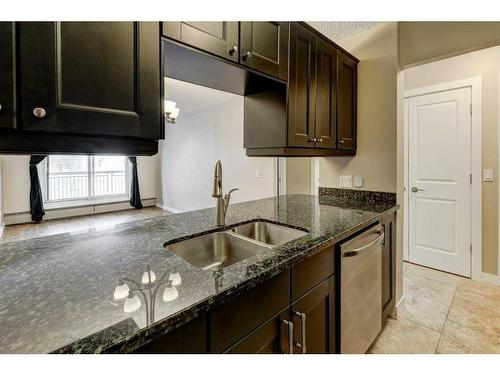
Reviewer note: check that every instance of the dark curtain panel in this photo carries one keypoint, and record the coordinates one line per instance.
(135, 196)
(36, 199)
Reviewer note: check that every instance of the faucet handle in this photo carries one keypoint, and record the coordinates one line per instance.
(228, 195)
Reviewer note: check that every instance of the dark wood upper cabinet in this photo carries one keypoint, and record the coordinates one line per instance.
(7, 53)
(347, 101)
(314, 320)
(301, 87)
(264, 47)
(91, 78)
(320, 102)
(325, 119)
(218, 38)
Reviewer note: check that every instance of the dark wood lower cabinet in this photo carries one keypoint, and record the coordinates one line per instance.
(313, 318)
(190, 338)
(293, 312)
(270, 338)
(388, 264)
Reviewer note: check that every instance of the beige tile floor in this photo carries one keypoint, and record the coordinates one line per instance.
(49, 227)
(442, 313)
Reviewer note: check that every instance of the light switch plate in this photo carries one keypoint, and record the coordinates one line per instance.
(345, 181)
(488, 175)
(358, 181)
(258, 173)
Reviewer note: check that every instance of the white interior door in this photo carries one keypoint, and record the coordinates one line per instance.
(439, 180)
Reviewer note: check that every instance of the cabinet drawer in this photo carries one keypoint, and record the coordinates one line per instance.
(309, 273)
(233, 320)
(190, 338)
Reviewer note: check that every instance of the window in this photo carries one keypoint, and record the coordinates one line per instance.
(74, 177)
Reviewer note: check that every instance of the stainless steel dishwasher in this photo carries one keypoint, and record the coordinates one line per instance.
(361, 290)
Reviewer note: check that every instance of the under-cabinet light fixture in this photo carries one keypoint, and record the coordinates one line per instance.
(171, 111)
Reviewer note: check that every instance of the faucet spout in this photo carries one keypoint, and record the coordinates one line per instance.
(222, 200)
(217, 191)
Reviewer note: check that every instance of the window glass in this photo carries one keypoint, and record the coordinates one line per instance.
(109, 175)
(71, 177)
(68, 177)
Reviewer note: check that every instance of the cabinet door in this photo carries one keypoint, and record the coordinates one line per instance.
(313, 319)
(235, 319)
(326, 95)
(270, 338)
(347, 97)
(93, 78)
(219, 38)
(301, 87)
(7, 117)
(264, 47)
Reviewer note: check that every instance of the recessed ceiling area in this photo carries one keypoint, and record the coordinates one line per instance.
(337, 30)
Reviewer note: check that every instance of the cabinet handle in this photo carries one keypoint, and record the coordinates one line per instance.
(290, 335)
(39, 112)
(0, 107)
(247, 56)
(320, 140)
(341, 142)
(302, 344)
(233, 51)
(311, 140)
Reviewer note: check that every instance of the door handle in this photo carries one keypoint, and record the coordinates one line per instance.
(416, 189)
(359, 250)
(302, 344)
(290, 335)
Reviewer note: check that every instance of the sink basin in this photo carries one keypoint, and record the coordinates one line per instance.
(268, 233)
(215, 250)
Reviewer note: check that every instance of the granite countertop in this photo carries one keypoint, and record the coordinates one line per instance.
(56, 292)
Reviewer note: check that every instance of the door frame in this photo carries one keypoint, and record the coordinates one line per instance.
(475, 83)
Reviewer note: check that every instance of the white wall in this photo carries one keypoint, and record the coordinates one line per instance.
(209, 127)
(15, 184)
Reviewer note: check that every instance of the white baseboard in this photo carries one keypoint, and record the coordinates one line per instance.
(490, 278)
(59, 213)
(397, 306)
(167, 208)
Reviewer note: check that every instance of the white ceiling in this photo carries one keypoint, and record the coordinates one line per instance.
(191, 98)
(337, 30)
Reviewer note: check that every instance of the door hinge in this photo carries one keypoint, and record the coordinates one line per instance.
(471, 108)
(470, 178)
(470, 247)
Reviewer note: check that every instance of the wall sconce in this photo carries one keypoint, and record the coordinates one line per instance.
(171, 111)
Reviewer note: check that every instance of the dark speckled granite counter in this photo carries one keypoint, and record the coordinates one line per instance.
(56, 292)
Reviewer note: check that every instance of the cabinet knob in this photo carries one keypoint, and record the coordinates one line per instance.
(320, 140)
(311, 140)
(0, 107)
(233, 51)
(341, 142)
(39, 112)
(247, 56)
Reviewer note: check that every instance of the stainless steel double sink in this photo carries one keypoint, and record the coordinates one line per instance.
(217, 250)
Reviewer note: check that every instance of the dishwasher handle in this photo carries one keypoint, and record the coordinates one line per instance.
(359, 250)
